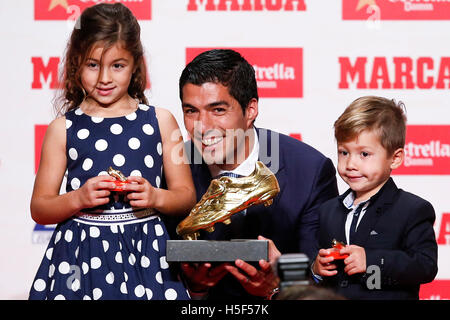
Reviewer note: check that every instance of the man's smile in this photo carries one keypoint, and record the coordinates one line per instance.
(210, 141)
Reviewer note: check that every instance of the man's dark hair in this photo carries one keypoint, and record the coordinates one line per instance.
(226, 67)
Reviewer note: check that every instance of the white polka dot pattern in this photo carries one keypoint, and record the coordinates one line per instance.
(101, 145)
(116, 129)
(109, 260)
(131, 116)
(83, 134)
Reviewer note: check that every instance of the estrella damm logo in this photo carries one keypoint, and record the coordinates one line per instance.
(396, 9)
(427, 151)
(71, 9)
(278, 71)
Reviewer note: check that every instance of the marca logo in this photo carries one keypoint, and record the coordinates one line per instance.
(444, 232)
(278, 71)
(39, 133)
(296, 135)
(435, 290)
(396, 9)
(427, 151)
(246, 5)
(47, 72)
(41, 234)
(395, 73)
(71, 9)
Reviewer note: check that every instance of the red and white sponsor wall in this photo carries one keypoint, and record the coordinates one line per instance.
(311, 57)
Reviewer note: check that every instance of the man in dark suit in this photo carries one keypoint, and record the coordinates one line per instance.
(220, 104)
(391, 242)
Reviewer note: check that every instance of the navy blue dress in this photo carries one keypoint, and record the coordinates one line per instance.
(112, 251)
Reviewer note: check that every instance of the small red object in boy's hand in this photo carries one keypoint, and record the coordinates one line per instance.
(337, 246)
(336, 255)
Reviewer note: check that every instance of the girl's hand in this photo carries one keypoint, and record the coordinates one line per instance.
(140, 192)
(95, 192)
(356, 261)
(322, 264)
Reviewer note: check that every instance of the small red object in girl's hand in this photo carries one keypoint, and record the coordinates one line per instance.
(121, 179)
(119, 185)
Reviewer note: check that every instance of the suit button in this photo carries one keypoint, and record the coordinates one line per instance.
(344, 284)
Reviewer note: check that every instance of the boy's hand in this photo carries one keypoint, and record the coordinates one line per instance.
(356, 261)
(322, 264)
(140, 192)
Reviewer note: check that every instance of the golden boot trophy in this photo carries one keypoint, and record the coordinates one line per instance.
(225, 197)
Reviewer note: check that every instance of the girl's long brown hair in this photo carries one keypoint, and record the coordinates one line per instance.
(105, 24)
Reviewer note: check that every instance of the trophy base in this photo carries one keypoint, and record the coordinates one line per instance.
(216, 251)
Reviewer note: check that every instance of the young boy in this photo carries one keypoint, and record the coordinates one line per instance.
(391, 247)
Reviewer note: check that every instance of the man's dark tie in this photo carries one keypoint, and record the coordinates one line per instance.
(229, 174)
(356, 214)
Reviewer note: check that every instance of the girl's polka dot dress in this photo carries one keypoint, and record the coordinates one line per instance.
(112, 251)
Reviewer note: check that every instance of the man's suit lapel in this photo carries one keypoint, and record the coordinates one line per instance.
(379, 203)
(199, 170)
(272, 157)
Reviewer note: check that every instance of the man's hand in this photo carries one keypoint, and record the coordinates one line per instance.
(201, 277)
(258, 282)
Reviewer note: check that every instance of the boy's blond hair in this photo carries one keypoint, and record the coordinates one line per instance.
(384, 116)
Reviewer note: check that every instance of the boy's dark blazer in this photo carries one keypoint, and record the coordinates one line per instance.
(306, 179)
(398, 237)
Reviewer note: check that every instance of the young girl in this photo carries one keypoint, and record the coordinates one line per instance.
(108, 244)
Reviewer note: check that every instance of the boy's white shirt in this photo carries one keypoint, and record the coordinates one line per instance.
(349, 203)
